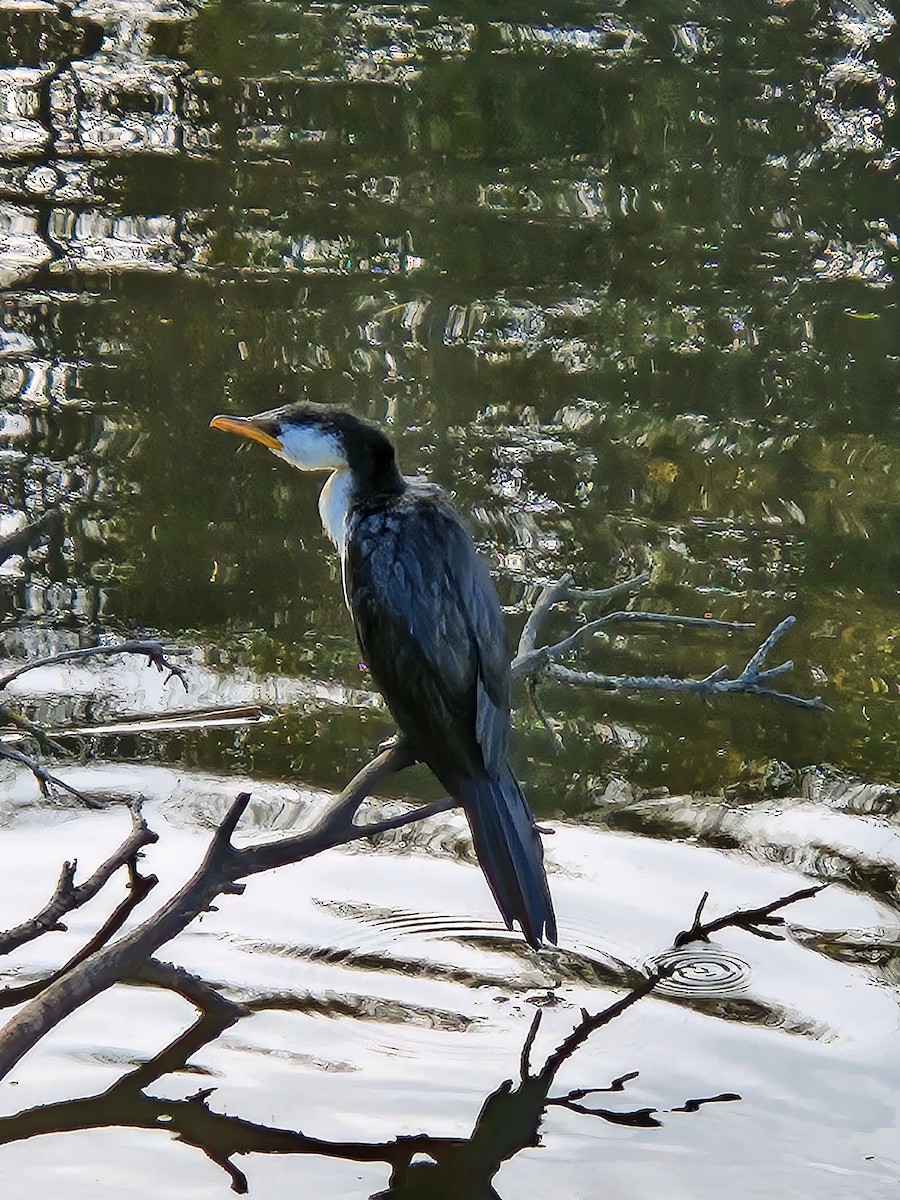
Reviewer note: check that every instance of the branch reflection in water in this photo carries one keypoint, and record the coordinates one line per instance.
(509, 1120)
(421, 1166)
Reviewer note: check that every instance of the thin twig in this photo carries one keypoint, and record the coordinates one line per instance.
(156, 652)
(757, 660)
(534, 660)
(46, 781)
(711, 685)
(752, 920)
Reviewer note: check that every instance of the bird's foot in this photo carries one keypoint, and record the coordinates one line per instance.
(394, 742)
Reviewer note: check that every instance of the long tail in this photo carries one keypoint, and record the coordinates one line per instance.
(509, 850)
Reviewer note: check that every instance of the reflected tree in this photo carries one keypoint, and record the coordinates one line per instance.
(421, 1166)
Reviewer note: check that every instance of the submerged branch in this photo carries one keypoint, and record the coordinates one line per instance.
(46, 781)
(24, 539)
(536, 663)
(753, 920)
(748, 919)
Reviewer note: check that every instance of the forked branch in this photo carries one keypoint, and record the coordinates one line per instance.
(536, 663)
(223, 866)
(68, 896)
(758, 921)
(158, 654)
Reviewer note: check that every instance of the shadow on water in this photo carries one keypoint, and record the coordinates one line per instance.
(420, 1165)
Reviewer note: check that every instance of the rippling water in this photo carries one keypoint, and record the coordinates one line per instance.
(624, 282)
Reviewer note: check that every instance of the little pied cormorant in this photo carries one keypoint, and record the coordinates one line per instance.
(430, 629)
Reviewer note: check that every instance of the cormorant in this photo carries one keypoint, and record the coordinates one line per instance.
(430, 629)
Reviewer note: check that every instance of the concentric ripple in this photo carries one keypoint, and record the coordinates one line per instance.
(700, 973)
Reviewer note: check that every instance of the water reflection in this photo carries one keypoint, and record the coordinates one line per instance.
(625, 284)
(508, 1122)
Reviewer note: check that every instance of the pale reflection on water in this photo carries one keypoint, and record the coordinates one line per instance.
(366, 1021)
(623, 282)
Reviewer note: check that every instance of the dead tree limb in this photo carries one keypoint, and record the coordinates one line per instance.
(67, 895)
(157, 653)
(45, 779)
(221, 870)
(536, 663)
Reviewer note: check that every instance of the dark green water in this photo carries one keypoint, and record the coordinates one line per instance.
(624, 283)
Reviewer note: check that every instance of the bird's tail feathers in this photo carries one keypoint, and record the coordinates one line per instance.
(509, 850)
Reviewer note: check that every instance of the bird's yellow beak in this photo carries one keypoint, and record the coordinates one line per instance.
(246, 427)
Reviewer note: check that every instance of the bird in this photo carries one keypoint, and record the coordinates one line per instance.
(430, 629)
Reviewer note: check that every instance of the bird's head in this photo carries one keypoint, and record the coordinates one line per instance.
(316, 437)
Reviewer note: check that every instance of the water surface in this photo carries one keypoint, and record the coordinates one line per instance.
(624, 283)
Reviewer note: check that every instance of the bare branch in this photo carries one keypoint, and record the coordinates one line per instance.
(551, 595)
(336, 827)
(757, 660)
(157, 655)
(625, 588)
(46, 781)
(204, 997)
(713, 684)
(559, 593)
(534, 660)
(138, 888)
(639, 1118)
(753, 920)
(67, 896)
(221, 867)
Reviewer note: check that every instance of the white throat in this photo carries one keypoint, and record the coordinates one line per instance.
(334, 504)
(311, 449)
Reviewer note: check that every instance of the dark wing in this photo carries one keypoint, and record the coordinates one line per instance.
(431, 631)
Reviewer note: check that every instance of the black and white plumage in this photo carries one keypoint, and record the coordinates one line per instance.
(430, 629)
